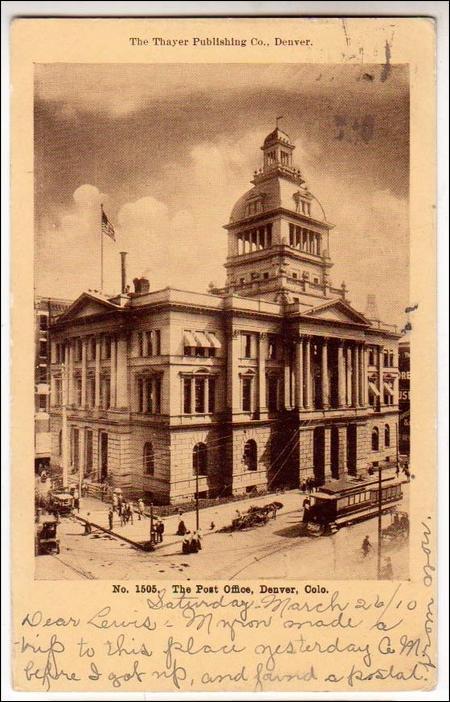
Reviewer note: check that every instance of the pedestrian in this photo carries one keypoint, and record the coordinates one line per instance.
(87, 526)
(76, 499)
(366, 546)
(198, 537)
(181, 531)
(212, 526)
(110, 518)
(120, 505)
(130, 512)
(115, 503)
(303, 486)
(306, 511)
(238, 514)
(387, 572)
(161, 531)
(185, 548)
(397, 469)
(83, 488)
(123, 517)
(193, 544)
(141, 508)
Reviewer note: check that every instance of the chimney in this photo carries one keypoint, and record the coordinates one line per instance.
(137, 286)
(144, 285)
(123, 268)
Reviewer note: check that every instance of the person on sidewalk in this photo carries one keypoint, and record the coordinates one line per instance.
(141, 508)
(130, 512)
(76, 500)
(160, 531)
(366, 546)
(193, 544)
(87, 526)
(387, 572)
(110, 518)
(182, 531)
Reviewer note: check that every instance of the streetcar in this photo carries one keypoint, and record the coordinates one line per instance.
(345, 502)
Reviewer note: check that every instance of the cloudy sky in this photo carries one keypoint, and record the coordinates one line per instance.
(168, 149)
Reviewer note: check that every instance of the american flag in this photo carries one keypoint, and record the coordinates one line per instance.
(107, 227)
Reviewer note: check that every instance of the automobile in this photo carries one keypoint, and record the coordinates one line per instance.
(60, 502)
(46, 540)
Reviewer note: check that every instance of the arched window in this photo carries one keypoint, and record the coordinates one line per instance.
(149, 459)
(60, 442)
(200, 459)
(251, 455)
(375, 439)
(387, 435)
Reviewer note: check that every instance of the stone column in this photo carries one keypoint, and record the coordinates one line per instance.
(341, 375)
(122, 373)
(365, 377)
(82, 449)
(98, 357)
(205, 394)
(287, 375)
(325, 377)
(113, 372)
(262, 355)
(354, 376)
(144, 381)
(380, 374)
(299, 374)
(83, 372)
(233, 380)
(69, 373)
(349, 375)
(307, 368)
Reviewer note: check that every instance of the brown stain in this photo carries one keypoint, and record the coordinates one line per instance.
(387, 65)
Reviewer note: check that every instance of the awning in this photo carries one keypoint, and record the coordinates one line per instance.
(189, 339)
(214, 341)
(202, 340)
(374, 389)
(388, 389)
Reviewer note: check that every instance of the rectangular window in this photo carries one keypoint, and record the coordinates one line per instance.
(58, 391)
(265, 276)
(291, 235)
(211, 395)
(43, 322)
(211, 352)
(42, 374)
(150, 349)
(107, 347)
(43, 403)
(92, 349)
(187, 396)
(246, 394)
(385, 359)
(78, 391)
(187, 351)
(43, 349)
(272, 347)
(157, 396)
(106, 394)
(269, 235)
(88, 451)
(295, 275)
(90, 395)
(150, 398)
(200, 395)
(272, 402)
(247, 339)
(140, 394)
(140, 343)
(157, 343)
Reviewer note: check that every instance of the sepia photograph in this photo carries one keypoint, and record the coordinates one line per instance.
(222, 321)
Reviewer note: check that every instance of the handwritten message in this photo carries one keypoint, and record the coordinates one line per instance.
(187, 640)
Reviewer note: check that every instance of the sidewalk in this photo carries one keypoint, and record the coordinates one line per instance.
(222, 515)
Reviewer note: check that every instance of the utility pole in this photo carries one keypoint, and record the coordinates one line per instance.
(64, 446)
(379, 523)
(152, 538)
(197, 515)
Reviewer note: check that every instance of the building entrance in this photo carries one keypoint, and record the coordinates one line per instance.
(334, 452)
(103, 455)
(351, 449)
(319, 455)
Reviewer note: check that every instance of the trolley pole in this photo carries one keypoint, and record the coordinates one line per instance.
(379, 524)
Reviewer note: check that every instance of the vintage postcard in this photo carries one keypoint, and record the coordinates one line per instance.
(223, 380)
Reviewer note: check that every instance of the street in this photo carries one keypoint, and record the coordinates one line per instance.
(273, 551)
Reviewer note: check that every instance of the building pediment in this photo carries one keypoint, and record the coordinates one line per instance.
(338, 311)
(87, 305)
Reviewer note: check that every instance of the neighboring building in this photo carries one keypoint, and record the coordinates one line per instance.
(267, 381)
(46, 309)
(403, 395)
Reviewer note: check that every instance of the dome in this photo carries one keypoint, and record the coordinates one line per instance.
(273, 194)
(276, 135)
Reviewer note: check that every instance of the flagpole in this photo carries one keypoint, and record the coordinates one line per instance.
(101, 248)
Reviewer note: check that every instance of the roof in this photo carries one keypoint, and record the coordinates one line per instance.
(276, 135)
(275, 192)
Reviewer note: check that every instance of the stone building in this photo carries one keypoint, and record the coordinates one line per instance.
(271, 379)
(46, 310)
